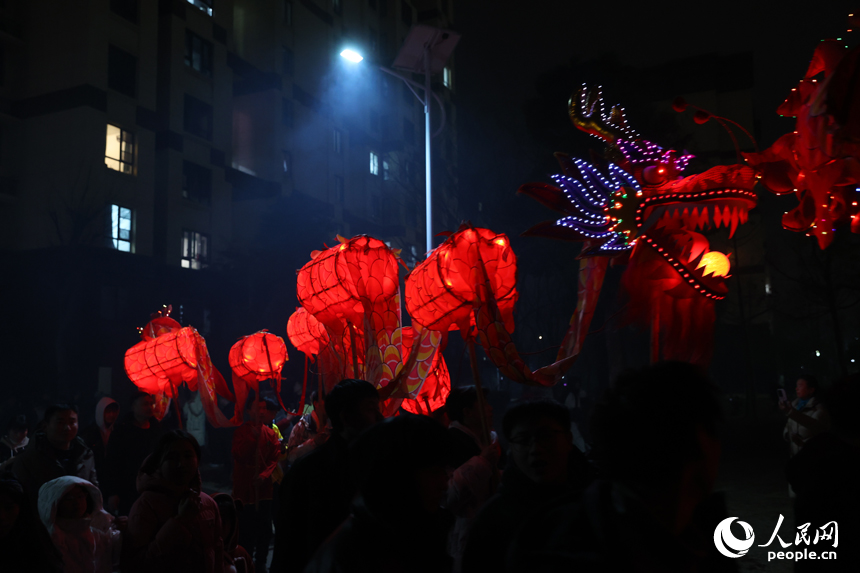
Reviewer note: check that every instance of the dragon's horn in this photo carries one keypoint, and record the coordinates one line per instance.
(587, 113)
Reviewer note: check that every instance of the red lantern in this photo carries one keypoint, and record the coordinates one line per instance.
(437, 385)
(341, 285)
(170, 355)
(443, 291)
(306, 333)
(260, 356)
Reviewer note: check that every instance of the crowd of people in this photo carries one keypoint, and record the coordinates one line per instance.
(345, 490)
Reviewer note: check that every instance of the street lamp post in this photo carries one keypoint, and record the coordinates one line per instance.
(426, 50)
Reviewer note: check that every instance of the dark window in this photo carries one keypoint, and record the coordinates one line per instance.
(288, 13)
(288, 61)
(407, 94)
(338, 189)
(203, 5)
(405, 13)
(122, 71)
(125, 8)
(408, 132)
(196, 182)
(195, 250)
(287, 113)
(374, 121)
(198, 117)
(198, 54)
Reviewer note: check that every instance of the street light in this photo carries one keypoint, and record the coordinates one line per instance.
(426, 50)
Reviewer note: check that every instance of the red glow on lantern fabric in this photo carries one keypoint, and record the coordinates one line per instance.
(340, 284)
(254, 358)
(437, 384)
(306, 333)
(443, 291)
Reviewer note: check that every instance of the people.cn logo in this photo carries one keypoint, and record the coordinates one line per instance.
(727, 543)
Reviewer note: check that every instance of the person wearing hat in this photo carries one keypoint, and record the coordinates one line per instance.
(475, 455)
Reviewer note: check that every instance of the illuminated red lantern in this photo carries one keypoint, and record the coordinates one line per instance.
(170, 355)
(437, 384)
(306, 333)
(254, 358)
(342, 284)
(443, 291)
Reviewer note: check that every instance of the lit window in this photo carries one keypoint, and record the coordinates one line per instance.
(119, 149)
(203, 5)
(374, 164)
(121, 228)
(336, 141)
(198, 54)
(386, 172)
(195, 250)
(446, 77)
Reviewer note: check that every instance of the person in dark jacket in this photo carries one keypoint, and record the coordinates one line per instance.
(97, 435)
(316, 492)
(24, 544)
(15, 439)
(543, 465)
(56, 452)
(173, 527)
(652, 510)
(397, 523)
(131, 441)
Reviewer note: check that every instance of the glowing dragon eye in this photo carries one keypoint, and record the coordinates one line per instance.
(655, 174)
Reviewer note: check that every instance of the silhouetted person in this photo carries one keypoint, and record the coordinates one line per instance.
(397, 524)
(83, 532)
(256, 451)
(56, 452)
(807, 416)
(543, 464)
(825, 475)
(14, 438)
(97, 435)
(475, 462)
(309, 432)
(655, 440)
(131, 441)
(173, 527)
(24, 544)
(236, 559)
(316, 492)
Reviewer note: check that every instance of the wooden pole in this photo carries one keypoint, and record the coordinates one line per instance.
(178, 412)
(355, 373)
(476, 374)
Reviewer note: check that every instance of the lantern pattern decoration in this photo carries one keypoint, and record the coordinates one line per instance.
(633, 206)
(819, 162)
(433, 393)
(170, 355)
(469, 283)
(352, 291)
(253, 359)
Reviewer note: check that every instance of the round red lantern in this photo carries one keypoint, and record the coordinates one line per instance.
(437, 384)
(306, 333)
(254, 358)
(443, 291)
(339, 285)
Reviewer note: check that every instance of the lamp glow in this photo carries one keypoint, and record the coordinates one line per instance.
(351, 56)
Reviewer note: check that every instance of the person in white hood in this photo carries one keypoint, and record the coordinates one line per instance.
(97, 435)
(85, 534)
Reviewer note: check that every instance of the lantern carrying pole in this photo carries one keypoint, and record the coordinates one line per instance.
(178, 412)
(355, 373)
